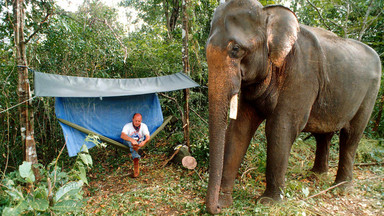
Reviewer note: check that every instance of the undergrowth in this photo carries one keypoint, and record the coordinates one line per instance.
(173, 190)
(40, 190)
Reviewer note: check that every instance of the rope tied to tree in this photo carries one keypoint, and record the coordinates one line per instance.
(31, 70)
(17, 104)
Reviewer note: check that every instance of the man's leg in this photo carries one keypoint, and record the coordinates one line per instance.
(135, 157)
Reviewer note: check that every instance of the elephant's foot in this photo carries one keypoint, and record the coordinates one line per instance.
(269, 198)
(343, 184)
(225, 200)
(344, 180)
(319, 170)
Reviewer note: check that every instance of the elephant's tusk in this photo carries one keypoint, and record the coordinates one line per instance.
(233, 107)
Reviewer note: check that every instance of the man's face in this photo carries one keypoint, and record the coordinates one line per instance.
(137, 120)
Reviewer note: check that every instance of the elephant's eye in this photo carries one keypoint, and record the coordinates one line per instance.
(236, 51)
(236, 48)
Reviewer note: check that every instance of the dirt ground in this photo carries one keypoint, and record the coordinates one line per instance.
(112, 187)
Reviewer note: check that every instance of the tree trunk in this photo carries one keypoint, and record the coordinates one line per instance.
(379, 114)
(186, 71)
(24, 93)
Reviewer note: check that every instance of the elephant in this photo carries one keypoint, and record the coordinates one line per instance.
(264, 65)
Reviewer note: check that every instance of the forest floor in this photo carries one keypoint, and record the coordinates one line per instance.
(173, 190)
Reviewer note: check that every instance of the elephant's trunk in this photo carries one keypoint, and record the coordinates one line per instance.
(224, 82)
(217, 125)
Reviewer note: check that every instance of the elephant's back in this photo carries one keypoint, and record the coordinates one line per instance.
(344, 55)
(353, 72)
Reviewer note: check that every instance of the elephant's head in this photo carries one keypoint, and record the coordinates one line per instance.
(245, 39)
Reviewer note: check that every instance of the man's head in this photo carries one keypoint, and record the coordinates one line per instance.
(136, 119)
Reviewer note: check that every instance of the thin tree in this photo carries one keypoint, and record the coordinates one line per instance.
(24, 92)
(186, 69)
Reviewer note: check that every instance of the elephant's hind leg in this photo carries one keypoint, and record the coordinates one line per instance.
(238, 137)
(350, 137)
(349, 140)
(323, 142)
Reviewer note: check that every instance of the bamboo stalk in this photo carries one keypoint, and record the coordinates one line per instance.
(103, 138)
(167, 120)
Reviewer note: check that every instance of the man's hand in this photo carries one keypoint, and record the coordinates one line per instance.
(136, 146)
(134, 142)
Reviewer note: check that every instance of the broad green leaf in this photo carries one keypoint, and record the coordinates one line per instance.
(17, 210)
(10, 183)
(67, 188)
(84, 148)
(86, 158)
(83, 174)
(68, 206)
(15, 194)
(26, 172)
(7, 211)
(39, 204)
(41, 192)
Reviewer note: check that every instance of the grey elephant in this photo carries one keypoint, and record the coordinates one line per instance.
(264, 65)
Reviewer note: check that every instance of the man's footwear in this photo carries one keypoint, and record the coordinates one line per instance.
(136, 168)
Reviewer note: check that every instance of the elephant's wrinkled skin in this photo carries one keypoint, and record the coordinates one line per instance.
(297, 78)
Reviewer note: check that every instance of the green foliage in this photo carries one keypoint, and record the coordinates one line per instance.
(370, 151)
(56, 191)
(27, 196)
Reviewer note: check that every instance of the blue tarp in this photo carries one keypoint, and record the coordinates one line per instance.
(105, 116)
(106, 105)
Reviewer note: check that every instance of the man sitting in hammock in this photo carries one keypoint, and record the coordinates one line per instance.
(135, 134)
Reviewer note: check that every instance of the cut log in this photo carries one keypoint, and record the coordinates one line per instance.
(182, 156)
(189, 162)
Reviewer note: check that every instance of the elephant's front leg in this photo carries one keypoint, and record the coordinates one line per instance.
(281, 133)
(238, 136)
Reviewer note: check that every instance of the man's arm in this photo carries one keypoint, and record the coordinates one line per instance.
(147, 137)
(126, 137)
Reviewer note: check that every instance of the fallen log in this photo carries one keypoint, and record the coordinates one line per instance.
(181, 156)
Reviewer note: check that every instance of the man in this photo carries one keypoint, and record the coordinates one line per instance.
(136, 135)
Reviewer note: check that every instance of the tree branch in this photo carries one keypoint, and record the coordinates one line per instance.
(367, 23)
(321, 17)
(177, 104)
(324, 191)
(364, 27)
(38, 28)
(345, 26)
(199, 116)
(116, 36)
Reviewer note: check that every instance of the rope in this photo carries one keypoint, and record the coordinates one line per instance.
(17, 105)
(29, 69)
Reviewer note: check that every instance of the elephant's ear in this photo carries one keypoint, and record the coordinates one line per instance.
(282, 29)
